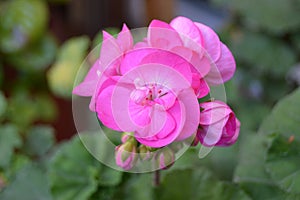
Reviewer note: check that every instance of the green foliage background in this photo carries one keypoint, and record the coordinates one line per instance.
(265, 163)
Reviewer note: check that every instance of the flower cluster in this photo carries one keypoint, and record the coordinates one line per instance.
(152, 88)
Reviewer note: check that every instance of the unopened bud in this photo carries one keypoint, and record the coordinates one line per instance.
(165, 158)
(126, 155)
(144, 153)
(126, 136)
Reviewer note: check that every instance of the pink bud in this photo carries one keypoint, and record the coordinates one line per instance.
(165, 158)
(144, 153)
(126, 155)
(125, 137)
(218, 124)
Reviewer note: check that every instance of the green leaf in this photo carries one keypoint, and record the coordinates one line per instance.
(73, 172)
(37, 57)
(109, 177)
(1, 73)
(265, 55)
(296, 41)
(9, 140)
(275, 16)
(21, 109)
(106, 193)
(283, 163)
(250, 172)
(98, 147)
(18, 162)
(21, 23)
(139, 186)
(39, 140)
(47, 104)
(197, 184)
(30, 183)
(62, 74)
(284, 117)
(3, 104)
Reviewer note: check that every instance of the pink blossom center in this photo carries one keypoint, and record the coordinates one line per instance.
(148, 94)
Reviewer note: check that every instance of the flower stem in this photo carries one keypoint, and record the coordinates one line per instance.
(156, 178)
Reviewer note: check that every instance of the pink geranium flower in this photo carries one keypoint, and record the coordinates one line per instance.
(111, 54)
(196, 42)
(218, 124)
(153, 98)
(151, 89)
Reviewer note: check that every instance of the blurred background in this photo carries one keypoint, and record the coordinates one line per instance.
(44, 42)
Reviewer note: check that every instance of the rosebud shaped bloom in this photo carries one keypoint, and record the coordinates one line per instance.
(144, 153)
(165, 158)
(218, 124)
(126, 155)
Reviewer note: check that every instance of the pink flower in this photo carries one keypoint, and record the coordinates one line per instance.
(197, 43)
(126, 155)
(218, 124)
(111, 55)
(150, 89)
(153, 98)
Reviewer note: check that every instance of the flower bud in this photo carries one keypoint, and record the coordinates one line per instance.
(144, 153)
(126, 155)
(218, 124)
(125, 136)
(165, 158)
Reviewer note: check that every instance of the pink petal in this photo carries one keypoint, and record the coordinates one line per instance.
(107, 57)
(120, 106)
(213, 115)
(211, 41)
(160, 74)
(191, 105)
(200, 86)
(172, 60)
(125, 39)
(139, 114)
(140, 45)
(103, 82)
(162, 35)
(87, 87)
(134, 58)
(231, 139)
(104, 108)
(167, 101)
(200, 62)
(213, 132)
(189, 33)
(224, 70)
(161, 124)
(168, 134)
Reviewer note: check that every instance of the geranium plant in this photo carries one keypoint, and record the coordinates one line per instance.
(150, 90)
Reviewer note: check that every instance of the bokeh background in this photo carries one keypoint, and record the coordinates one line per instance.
(44, 42)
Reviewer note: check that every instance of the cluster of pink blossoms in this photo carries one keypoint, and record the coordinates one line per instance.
(151, 89)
